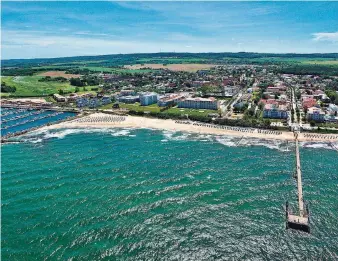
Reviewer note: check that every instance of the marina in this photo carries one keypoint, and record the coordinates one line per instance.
(17, 121)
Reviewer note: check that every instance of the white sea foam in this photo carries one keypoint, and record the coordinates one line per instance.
(227, 141)
(231, 141)
(36, 141)
(320, 145)
(173, 135)
(121, 133)
(62, 133)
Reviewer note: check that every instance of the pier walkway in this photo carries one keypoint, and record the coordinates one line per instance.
(300, 221)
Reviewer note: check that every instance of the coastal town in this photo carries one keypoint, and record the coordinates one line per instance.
(252, 96)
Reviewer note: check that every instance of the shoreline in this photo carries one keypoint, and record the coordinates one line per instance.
(96, 120)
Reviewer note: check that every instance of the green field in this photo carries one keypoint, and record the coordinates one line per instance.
(30, 86)
(194, 112)
(135, 107)
(322, 62)
(156, 108)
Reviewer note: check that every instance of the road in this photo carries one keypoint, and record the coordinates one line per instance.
(224, 107)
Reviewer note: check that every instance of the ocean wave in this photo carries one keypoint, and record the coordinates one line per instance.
(320, 145)
(176, 135)
(40, 135)
(121, 133)
(231, 141)
(227, 140)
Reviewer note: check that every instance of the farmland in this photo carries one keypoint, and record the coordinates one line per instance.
(59, 74)
(322, 62)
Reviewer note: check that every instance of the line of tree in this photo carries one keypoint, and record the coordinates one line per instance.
(85, 80)
(310, 69)
(53, 79)
(119, 59)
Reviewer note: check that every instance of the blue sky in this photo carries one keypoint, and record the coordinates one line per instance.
(55, 29)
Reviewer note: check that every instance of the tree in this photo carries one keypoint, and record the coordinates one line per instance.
(205, 90)
(76, 82)
(6, 88)
(261, 106)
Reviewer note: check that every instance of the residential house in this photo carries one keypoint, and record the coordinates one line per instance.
(275, 111)
(315, 114)
(127, 93)
(308, 102)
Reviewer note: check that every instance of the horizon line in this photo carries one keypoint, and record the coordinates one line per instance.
(60, 57)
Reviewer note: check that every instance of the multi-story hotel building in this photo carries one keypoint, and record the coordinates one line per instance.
(199, 103)
(148, 98)
(169, 100)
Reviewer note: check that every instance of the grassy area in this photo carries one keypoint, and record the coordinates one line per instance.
(328, 125)
(156, 108)
(194, 112)
(135, 107)
(30, 86)
(4, 94)
(138, 107)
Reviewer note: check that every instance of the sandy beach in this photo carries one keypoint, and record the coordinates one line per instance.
(98, 120)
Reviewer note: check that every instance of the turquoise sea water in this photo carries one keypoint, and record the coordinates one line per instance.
(152, 195)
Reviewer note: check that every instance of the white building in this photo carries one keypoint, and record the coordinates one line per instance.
(199, 103)
(59, 98)
(148, 98)
(169, 100)
(315, 114)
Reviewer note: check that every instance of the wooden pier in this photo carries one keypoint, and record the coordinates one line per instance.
(300, 221)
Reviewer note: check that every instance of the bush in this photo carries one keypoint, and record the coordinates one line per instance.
(6, 88)
(53, 79)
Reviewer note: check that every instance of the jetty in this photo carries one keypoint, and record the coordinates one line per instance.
(300, 220)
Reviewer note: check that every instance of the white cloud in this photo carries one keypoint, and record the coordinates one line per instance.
(90, 33)
(333, 37)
